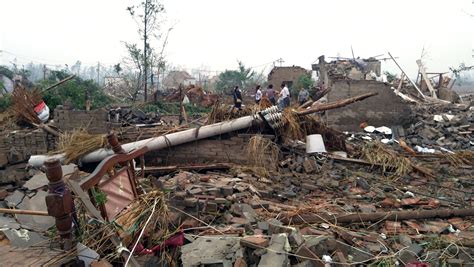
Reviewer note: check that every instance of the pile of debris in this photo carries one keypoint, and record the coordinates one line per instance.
(444, 126)
(358, 199)
(130, 116)
(192, 94)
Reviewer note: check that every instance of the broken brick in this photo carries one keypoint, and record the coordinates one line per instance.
(254, 242)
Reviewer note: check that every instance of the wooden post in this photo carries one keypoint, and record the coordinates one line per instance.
(408, 77)
(59, 202)
(114, 143)
(425, 78)
(400, 84)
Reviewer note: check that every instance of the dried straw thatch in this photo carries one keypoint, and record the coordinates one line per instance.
(378, 154)
(463, 157)
(129, 224)
(24, 103)
(292, 129)
(297, 127)
(222, 112)
(262, 155)
(79, 143)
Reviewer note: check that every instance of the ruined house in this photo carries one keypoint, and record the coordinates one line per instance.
(348, 78)
(175, 78)
(289, 75)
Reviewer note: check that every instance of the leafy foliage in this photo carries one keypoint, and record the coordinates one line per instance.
(462, 67)
(74, 91)
(241, 77)
(5, 102)
(174, 108)
(4, 70)
(390, 76)
(304, 81)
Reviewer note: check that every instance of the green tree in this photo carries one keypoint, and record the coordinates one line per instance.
(304, 81)
(74, 91)
(241, 77)
(390, 76)
(4, 70)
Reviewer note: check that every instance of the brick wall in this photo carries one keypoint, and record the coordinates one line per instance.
(223, 149)
(282, 74)
(94, 121)
(383, 109)
(19, 145)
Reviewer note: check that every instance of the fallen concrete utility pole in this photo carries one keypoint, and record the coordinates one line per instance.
(378, 216)
(336, 104)
(272, 115)
(164, 141)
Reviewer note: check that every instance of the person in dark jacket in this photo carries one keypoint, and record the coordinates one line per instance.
(237, 94)
(270, 93)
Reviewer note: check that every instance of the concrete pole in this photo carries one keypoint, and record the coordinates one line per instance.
(164, 141)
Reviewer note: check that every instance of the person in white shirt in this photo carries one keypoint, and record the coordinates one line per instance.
(284, 100)
(258, 95)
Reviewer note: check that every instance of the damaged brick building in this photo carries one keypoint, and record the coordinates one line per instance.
(348, 78)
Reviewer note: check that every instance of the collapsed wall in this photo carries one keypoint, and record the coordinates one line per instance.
(18, 146)
(94, 121)
(384, 109)
(229, 148)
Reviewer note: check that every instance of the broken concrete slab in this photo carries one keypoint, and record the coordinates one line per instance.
(209, 250)
(8, 223)
(36, 182)
(37, 203)
(23, 238)
(276, 253)
(410, 254)
(254, 242)
(14, 199)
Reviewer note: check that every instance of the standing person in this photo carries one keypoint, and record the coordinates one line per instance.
(237, 94)
(303, 96)
(271, 94)
(258, 95)
(284, 99)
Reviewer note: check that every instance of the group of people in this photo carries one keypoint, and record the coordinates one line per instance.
(284, 96)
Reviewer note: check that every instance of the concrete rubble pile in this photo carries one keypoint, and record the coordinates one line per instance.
(272, 188)
(443, 126)
(129, 116)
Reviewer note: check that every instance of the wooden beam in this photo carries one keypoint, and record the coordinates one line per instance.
(167, 169)
(378, 216)
(425, 78)
(408, 77)
(336, 104)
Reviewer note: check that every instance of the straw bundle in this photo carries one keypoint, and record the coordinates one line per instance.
(292, 129)
(463, 157)
(377, 154)
(24, 103)
(262, 154)
(132, 220)
(264, 103)
(221, 112)
(129, 224)
(79, 143)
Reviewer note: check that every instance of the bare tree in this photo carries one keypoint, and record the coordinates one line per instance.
(146, 15)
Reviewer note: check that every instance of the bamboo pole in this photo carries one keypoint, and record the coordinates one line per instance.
(25, 212)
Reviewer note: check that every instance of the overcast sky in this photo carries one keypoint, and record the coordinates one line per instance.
(212, 34)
